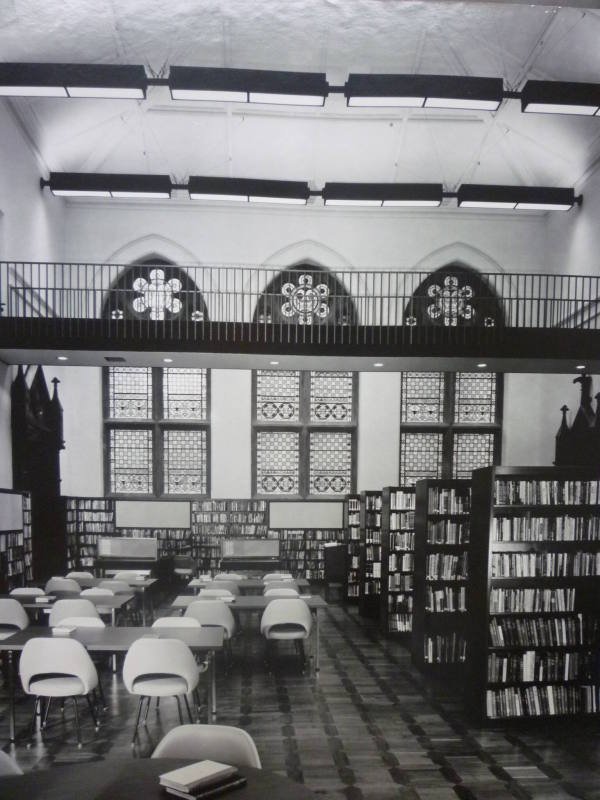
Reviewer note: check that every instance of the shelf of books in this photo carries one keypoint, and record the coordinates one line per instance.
(370, 554)
(171, 541)
(352, 528)
(15, 539)
(215, 520)
(534, 615)
(27, 540)
(302, 549)
(442, 517)
(87, 518)
(398, 545)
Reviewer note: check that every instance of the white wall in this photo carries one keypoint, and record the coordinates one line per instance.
(378, 430)
(231, 417)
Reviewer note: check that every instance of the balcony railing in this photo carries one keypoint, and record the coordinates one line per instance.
(200, 304)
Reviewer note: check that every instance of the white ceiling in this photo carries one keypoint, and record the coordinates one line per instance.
(512, 40)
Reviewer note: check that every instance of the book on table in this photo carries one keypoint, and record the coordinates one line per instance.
(211, 790)
(193, 778)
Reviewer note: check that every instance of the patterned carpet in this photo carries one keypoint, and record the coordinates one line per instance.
(368, 728)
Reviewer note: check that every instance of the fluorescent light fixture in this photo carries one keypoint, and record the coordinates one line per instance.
(518, 198)
(168, 360)
(580, 366)
(248, 86)
(248, 189)
(482, 365)
(560, 97)
(62, 358)
(82, 184)
(378, 364)
(273, 363)
(116, 81)
(382, 194)
(424, 91)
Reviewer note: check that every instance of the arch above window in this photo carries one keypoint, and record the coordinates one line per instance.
(305, 295)
(155, 290)
(454, 296)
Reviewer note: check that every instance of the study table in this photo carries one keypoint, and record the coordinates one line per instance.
(113, 640)
(104, 605)
(138, 585)
(134, 778)
(245, 586)
(257, 603)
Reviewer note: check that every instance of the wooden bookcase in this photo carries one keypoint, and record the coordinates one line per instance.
(352, 528)
(15, 540)
(215, 520)
(87, 518)
(534, 612)
(397, 561)
(442, 515)
(302, 550)
(370, 554)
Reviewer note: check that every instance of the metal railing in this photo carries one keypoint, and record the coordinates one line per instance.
(192, 301)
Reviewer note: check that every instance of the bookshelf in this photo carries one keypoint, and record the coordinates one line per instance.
(370, 554)
(171, 541)
(27, 539)
(534, 616)
(214, 520)
(442, 516)
(87, 518)
(15, 539)
(302, 550)
(352, 528)
(398, 545)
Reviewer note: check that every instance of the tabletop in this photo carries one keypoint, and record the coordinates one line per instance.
(248, 584)
(126, 779)
(119, 639)
(42, 602)
(247, 602)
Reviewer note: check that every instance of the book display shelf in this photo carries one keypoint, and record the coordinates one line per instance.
(302, 550)
(442, 517)
(352, 528)
(87, 518)
(534, 613)
(370, 554)
(214, 520)
(398, 545)
(15, 539)
(27, 539)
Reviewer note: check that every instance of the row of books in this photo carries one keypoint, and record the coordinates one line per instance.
(400, 623)
(448, 501)
(204, 517)
(446, 599)
(354, 518)
(536, 701)
(529, 601)
(448, 648)
(405, 562)
(538, 492)
(542, 631)
(400, 602)
(90, 504)
(101, 528)
(543, 667)
(546, 565)
(402, 519)
(568, 528)
(373, 569)
(447, 531)
(372, 536)
(446, 567)
(372, 587)
(400, 581)
(10, 539)
(402, 541)
(401, 500)
(372, 502)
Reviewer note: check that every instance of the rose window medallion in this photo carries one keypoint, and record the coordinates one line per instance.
(305, 300)
(450, 301)
(157, 295)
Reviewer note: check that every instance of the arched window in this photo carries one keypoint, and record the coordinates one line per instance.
(156, 421)
(305, 295)
(451, 422)
(155, 289)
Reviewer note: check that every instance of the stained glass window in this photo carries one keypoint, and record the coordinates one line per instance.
(167, 452)
(475, 397)
(305, 428)
(471, 451)
(420, 456)
(422, 397)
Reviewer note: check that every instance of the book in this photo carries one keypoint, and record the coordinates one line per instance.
(196, 776)
(212, 790)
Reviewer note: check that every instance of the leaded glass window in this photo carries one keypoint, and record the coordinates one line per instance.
(304, 433)
(450, 424)
(157, 431)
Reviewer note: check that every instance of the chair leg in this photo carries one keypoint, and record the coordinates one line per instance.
(137, 721)
(36, 702)
(44, 721)
(145, 720)
(101, 693)
(179, 709)
(92, 712)
(77, 722)
(187, 705)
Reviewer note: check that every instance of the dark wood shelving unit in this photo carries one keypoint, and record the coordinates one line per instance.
(533, 639)
(370, 554)
(442, 526)
(397, 559)
(353, 547)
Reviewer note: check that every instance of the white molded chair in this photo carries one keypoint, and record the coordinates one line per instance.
(217, 742)
(277, 576)
(71, 608)
(229, 576)
(82, 622)
(12, 615)
(24, 591)
(8, 766)
(160, 668)
(215, 593)
(62, 585)
(57, 667)
(231, 586)
(176, 622)
(287, 619)
(84, 574)
(215, 614)
(286, 591)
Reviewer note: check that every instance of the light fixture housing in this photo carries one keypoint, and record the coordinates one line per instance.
(248, 190)
(424, 91)
(113, 81)
(248, 86)
(520, 198)
(559, 97)
(82, 184)
(383, 194)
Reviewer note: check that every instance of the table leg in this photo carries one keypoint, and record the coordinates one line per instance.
(11, 695)
(113, 621)
(212, 702)
(317, 641)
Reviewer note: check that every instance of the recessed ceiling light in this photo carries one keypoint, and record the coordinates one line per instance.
(273, 363)
(482, 365)
(168, 360)
(62, 358)
(580, 366)
(378, 364)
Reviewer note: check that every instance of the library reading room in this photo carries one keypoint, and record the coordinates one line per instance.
(300, 399)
